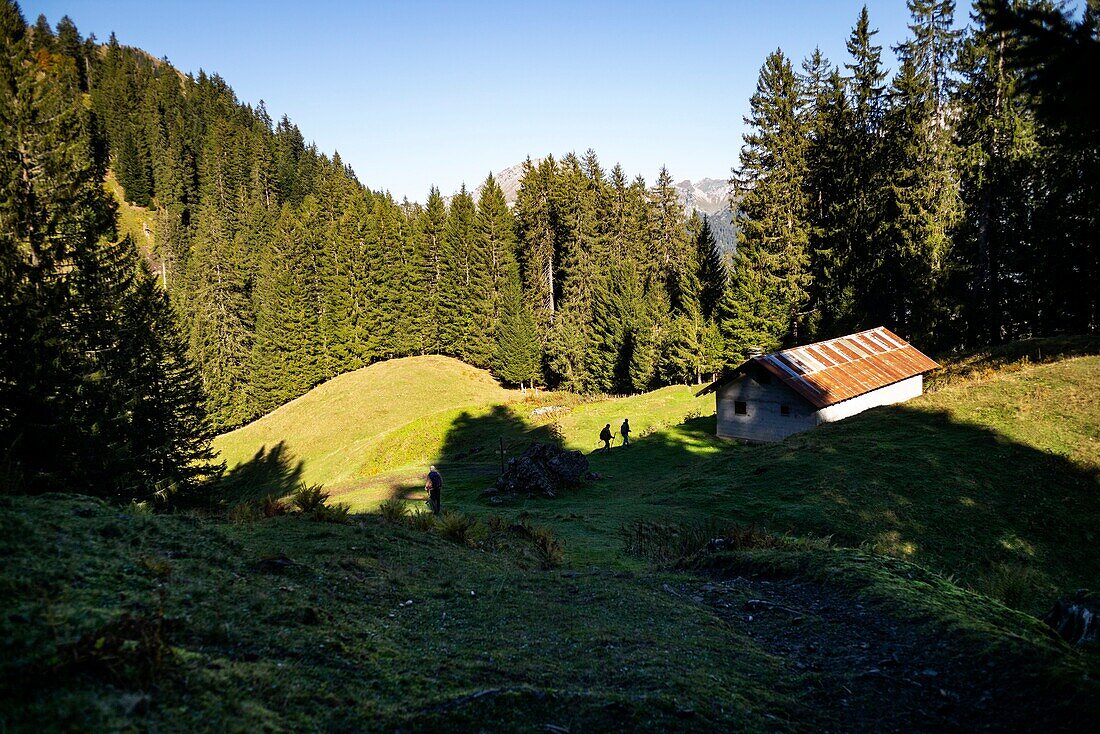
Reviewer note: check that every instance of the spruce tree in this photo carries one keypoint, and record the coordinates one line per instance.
(430, 231)
(518, 356)
(465, 306)
(763, 307)
(922, 201)
(999, 166)
(850, 299)
(95, 393)
(713, 276)
(497, 234)
(537, 231)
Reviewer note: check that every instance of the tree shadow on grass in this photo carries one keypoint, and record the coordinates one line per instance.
(273, 472)
(1001, 517)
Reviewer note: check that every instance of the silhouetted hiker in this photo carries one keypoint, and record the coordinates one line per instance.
(624, 429)
(434, 485)
(605, 436)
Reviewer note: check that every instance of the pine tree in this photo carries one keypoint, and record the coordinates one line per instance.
(673, 255)
(1056, 58)
(286, 356)
(999, 171)
(713, 276)
(830, 191)
(537, 231)
(770, 275)
(922, 203)
(95, 393)
(497, 232)
(517, 359)
(850, 300)
(430, 232)
(465, 306)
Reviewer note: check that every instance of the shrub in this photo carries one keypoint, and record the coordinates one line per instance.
(393, 510)
(422, 520)
(1012, 584)
(337, 512)
(310, 498)
(273, 507)
(456, 527)
(243, 512)
(548, 547)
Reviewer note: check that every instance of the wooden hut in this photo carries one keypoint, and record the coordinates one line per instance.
(771, 396)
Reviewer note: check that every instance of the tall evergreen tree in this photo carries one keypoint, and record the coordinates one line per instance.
(95, 393)
(999, 185)
(763, 308)
(430, 231)
(850, 298)
(518, 356)
(465, 305)
(497, 232)
(537, 229)
(922, 203)
(713, 276)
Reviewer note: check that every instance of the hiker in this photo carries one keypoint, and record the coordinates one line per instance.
(434, 486)
(605, 436)
(624, 429)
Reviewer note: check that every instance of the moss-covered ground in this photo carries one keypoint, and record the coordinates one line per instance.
(116, 620)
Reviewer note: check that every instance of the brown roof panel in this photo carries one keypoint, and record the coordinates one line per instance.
(839, 369)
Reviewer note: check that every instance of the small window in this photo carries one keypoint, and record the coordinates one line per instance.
(784, 410)
(740, 408)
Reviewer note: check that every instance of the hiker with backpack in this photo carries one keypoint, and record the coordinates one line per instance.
(434, 487)
(605, 436)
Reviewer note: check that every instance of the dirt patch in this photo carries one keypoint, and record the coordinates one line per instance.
(858, 669)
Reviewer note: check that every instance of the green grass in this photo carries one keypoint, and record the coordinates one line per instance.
(990, 479)
(119, 620)
(132, 219)
(369, 435)
(357, 419)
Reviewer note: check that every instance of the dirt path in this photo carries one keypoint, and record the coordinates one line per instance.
(856, 669)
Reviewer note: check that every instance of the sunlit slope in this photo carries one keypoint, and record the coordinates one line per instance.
(329, 428)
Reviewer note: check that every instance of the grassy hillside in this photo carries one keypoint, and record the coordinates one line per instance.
(345, 423)
(371, 433)
(133, 220)
(991, 478)
(118, 620)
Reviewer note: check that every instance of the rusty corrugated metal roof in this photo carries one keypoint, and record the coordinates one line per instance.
(839, 369)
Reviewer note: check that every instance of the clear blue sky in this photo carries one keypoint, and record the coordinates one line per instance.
(418, 93)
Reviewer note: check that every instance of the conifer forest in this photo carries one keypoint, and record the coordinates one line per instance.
(954, 199)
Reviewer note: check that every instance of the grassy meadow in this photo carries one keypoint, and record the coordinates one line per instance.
(900, 555)
(990, 478)
(119, 620)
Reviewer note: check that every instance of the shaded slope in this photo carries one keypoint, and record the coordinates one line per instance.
(118, 620)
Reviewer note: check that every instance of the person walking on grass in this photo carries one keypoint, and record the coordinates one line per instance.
(605, 436)
(434, 486)
(624, 430)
